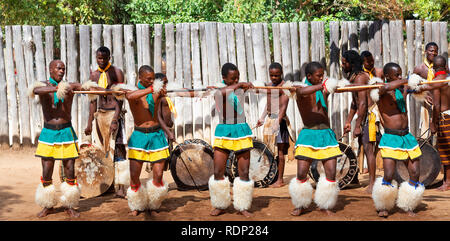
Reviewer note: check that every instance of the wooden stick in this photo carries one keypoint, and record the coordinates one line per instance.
(99, 92)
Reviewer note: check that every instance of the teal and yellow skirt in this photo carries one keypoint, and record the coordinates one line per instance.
(399, 147)
(233, 137)
(148, 146)
(57, 144)
(318, 145)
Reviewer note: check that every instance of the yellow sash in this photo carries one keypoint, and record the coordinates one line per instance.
(430, 74)
(171, 107)
(372, 126)
(369, 72)
(103, 80)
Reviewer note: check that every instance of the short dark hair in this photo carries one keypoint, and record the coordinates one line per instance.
(313, 67)
(276, 65)
(438, 59)
(389, 66)
(160, 76)
(104, 50)
(354, 59)
(431, 44)
(365, 54)
(227, 67)
(144, 69)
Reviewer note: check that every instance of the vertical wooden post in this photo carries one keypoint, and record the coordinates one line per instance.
(96, 43)
(222, 37)
(35, 121)
(304, 47)
(240, 51)
(4, 127)
(40, 74)
(336, 124)
(72, 71)
(179, 127)
(130, 75)
(386, 43)
(49, 31)
(63, 50)
(206, 103)
(410, 68)
(85, 57)
(117, 52)
(295, 51)
(24, 110)
(443, 47)
(187, 80)
(197, 113)
(213, 68)
(157, 48)
(13, 105)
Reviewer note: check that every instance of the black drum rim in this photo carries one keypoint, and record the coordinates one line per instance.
(272, 175)
(349, 176)
(173, 162)
(430, 179)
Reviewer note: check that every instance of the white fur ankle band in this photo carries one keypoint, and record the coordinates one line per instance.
(219, 191)
(242, 194)
(301, 193)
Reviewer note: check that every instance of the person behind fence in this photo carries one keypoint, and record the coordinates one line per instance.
(315, 142)
(396, 144)
(440, 119)
(148, 143)
(57, 141)
(277, 121)
(109, 108)
(426, 71)
(232, 134)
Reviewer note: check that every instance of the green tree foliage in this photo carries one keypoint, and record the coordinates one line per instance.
(56, 12)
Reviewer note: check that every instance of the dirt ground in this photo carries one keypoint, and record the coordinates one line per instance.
(20, 172)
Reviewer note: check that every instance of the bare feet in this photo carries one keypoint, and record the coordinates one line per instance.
(136, 212)
(297, 212)
(383, 214)
(369, 189)
(444, 187)
(217, 212)
(365, 170)
(277, 184)
(246, 213)
(411, 214)
(72, 213)
(328, 212)
(45, 212)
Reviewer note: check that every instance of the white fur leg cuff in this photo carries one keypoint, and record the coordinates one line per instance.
(219, 191)
(63, 88)
(301, 193)
(122, 172)
(409, 197)
(87, 86)
(45, 197)
(156, 195)
(384, 196)
(31, 88)
(70, 195)
(242, 194)
(326, 193)
(137, 200)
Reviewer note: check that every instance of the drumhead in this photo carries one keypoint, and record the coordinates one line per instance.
(430, 166)
(192, 159)
(94, 171)
(263, 168)
(346, 167)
